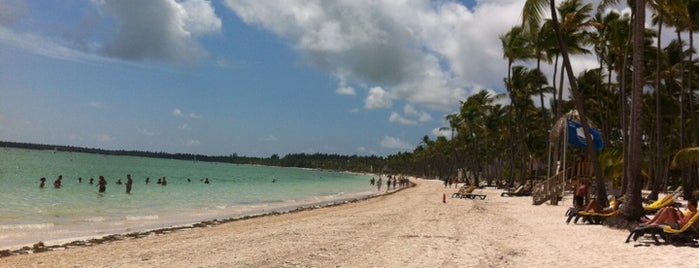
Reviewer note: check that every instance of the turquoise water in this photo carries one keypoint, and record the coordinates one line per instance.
(30, 214)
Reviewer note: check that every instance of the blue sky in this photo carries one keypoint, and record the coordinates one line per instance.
(244, 76)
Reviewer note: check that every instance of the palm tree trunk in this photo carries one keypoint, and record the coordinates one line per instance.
(579, 103)
(634, 210)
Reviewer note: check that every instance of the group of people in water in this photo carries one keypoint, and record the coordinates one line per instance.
(390, 180)
(102, 182)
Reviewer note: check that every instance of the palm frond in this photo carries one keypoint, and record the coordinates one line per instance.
(685, 156)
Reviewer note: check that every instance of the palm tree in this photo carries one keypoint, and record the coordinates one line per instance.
(633, 209)
(537, 6)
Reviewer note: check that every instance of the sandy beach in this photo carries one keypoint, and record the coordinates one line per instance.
(411, 228)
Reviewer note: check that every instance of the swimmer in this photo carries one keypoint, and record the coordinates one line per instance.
(129, 182)
(42, 181)
(57, 182)
(102, 183)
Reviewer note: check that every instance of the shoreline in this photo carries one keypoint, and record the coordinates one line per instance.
(88, 241)
(409, 228)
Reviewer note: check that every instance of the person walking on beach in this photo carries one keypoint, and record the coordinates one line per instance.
(129, 182)
(41, 182)
(102, 183)
(57, 182)
(378, 183)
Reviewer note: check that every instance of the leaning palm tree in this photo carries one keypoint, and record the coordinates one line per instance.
(536, 8)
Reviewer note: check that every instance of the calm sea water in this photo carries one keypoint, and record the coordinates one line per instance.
(29, 214)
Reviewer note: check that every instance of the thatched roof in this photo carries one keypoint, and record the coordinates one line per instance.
(559, 127)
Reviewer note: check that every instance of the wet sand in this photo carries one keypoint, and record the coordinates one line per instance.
(410, 228)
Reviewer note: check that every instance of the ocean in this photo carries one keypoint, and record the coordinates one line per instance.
(77, 210)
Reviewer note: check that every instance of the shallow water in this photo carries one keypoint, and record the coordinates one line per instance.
(30, 214)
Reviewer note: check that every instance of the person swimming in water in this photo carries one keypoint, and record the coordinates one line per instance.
(41, 182)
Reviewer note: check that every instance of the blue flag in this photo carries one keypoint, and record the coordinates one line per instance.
(576, 136)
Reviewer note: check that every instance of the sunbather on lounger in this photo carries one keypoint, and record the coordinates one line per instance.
(596, 208)
(673, 217)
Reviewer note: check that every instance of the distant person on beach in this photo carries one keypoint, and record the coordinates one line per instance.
(102, 183)
(42, 181)
(164, 182)
(378, 183)
(580, 195)
(388, 184)
(446, 183)
(57, 182)
(160, 181)
(129, 183)
(118, 182)
(372, 181)
(80, 179)
(206, 181)
(92, 180)
(147, 180)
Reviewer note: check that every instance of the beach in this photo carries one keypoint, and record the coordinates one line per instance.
(409, 228)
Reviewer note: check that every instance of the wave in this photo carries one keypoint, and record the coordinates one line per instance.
(26, 226)
(142, 218)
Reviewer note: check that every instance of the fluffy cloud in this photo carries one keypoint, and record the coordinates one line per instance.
(425, 52)
(412, 116)
(159, 29)
(395, 143)
(378, 98)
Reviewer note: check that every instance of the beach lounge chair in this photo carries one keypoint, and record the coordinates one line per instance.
(660, 203)
(473, 196)
(520, 191)
(590, 217)
(464, 190)
(688, 232)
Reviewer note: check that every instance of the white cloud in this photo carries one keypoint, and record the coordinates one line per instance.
(270, 138)
(146, 132)
(125, 29)
(395, 143)
(377, 98)
(177, 112)
(397, 118)
(158, 29)
(345, 90)
(192, 143)
(104, 138)
(412, 116)
(429, 53)
(442, 132)
(185, 126)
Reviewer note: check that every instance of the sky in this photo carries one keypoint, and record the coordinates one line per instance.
(245, 77)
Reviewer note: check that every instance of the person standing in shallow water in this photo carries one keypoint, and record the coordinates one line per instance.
(129, 182)
(57, 182)
(102, 183)
(42, 181)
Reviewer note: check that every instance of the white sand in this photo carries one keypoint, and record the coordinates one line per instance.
(411, 228)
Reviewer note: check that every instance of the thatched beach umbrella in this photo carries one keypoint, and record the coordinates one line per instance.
(559, 127)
